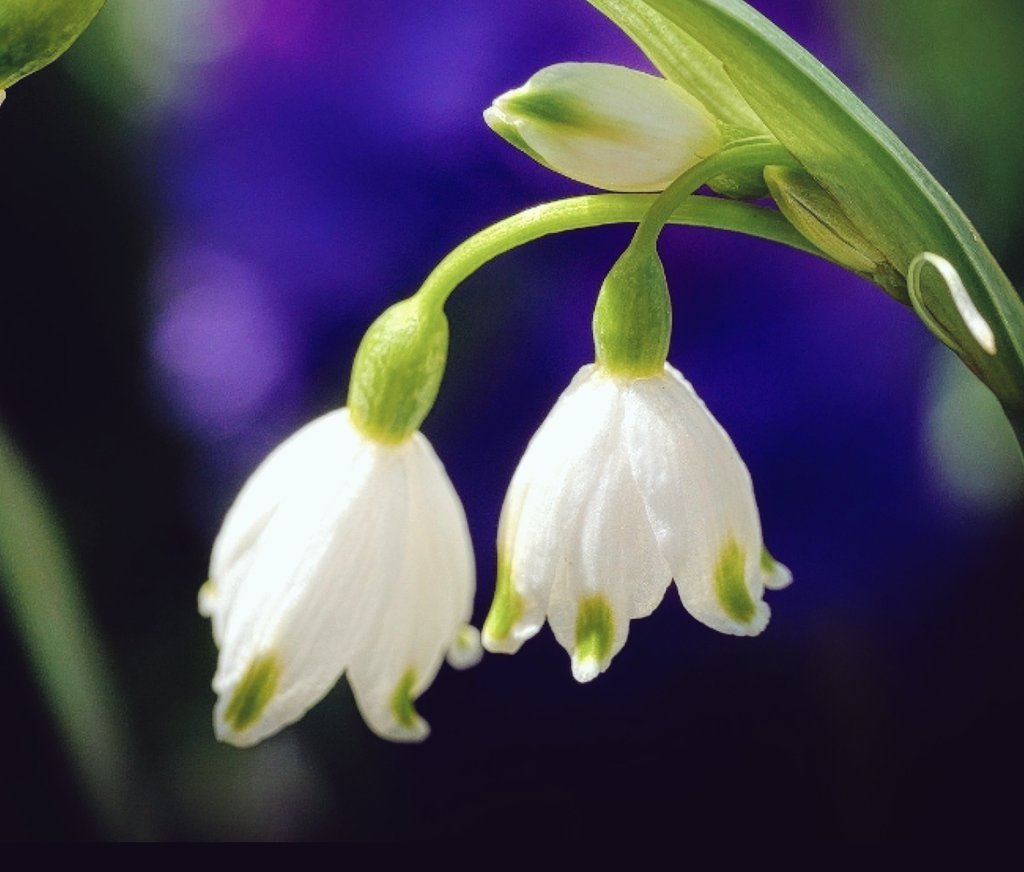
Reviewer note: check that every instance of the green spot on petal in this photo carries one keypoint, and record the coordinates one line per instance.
(595, 625)
(767, 562)
(402, 701)
(253, 693)
(507, 607)
(548, 107)
(731, 584)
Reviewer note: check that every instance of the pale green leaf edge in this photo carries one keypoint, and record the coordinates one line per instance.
(854, 156)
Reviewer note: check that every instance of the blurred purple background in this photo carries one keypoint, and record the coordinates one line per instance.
(190, 264)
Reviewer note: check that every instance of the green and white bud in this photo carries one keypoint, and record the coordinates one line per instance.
(606, 125)
(398, 370)
(34, 33)
(633, 315)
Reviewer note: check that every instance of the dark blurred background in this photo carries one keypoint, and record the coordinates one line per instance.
(206, 202)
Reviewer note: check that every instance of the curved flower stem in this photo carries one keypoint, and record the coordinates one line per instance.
(596, 210)
(754, 152)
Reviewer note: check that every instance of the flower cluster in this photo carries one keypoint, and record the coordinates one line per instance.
(348, 552)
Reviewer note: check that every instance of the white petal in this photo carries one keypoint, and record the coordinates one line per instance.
(608, 126)
(285, 471)
(309, 573)
(418, 610)
(775, 575)
(614, 570)
(700, 502)
(543, 503)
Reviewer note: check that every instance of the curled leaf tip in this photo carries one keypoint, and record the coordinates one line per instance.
(974, 321)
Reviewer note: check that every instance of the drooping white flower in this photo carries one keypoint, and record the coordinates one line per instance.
(341, 554)
(606, 125)
(628, 484)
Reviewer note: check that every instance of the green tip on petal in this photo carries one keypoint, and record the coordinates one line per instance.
(253, 693)
(465, 650)
(730, 583)
(595, 626)
(775, 575)
(207, 594)
(401, 702)
(506, 610)
(507, 130)
(549, 107)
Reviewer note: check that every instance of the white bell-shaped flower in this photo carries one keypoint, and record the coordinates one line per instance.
(628, 484)
(341, 554)
(606, 125)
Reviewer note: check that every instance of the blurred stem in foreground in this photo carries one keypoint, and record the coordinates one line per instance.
(48, 609)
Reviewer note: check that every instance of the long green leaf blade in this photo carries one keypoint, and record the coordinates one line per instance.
(884, 189)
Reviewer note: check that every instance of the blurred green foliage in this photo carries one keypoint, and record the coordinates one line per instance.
(34, 33)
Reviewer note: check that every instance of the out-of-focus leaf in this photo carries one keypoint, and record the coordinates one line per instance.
(42, 593)
(34, 33)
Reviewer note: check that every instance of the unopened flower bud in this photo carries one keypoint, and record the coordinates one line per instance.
(606, 125)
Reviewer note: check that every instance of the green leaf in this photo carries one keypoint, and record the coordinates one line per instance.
(883, 189)
(34, 33)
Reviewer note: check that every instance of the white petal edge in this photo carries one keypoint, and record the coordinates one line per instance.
(425, 608)
(699, 498)
(542, 506)
(295, 461)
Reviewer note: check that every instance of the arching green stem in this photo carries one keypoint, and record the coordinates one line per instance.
(755, 152)
(596, 210)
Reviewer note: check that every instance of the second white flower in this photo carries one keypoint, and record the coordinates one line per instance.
(629, 484)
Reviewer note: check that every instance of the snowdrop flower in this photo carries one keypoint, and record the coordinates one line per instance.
(346, 551)
(606, 125)
(628, 484)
